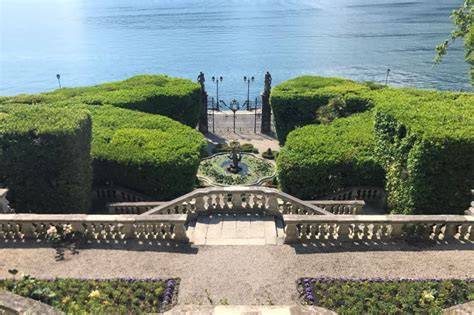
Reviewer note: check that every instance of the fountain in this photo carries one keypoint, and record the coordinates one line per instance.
(235, 168)
(236, 157)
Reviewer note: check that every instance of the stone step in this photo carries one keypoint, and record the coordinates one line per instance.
(248, 310)
(236, 229)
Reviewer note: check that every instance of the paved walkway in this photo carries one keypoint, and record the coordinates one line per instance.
(236, 229)
(250, 275)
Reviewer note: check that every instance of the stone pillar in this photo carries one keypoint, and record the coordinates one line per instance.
(266, 109)
(203, 124)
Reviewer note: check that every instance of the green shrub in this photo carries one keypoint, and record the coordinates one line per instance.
(295, 102)
(320, 159)
(227, 147)
(424, 140)
(98, 296)
(172, 97)
(428, 155)
(45, 158)
(270, 154)
(148, 153)
(379, 296)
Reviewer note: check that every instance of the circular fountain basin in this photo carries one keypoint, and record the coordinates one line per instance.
(214, 170)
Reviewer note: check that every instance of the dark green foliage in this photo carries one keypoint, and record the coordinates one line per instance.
(428, 155)
(295, 102)
(378, 296)
(114, 296)
(172, 97)
(227, 147)
(424, 140)
(148, 153)
(45, 158)
(321, 159)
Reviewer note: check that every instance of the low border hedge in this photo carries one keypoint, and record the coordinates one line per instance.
(45, 158)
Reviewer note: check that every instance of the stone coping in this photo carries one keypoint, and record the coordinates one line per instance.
(11, 304)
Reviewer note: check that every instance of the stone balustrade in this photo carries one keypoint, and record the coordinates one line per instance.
(133, 207)
(118, 194)
(238, 199)
(369, 194)
(300, 228)
(96, 228)
(353, 207)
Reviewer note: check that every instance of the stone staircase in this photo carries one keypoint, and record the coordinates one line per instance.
(236, 229)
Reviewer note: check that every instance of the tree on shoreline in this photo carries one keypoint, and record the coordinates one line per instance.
(463, 28)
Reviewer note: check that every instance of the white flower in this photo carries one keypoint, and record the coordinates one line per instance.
(67, 228)
(52, 231)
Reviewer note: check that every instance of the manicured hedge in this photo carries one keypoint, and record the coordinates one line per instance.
(45, 158)
(427, 148)
(152, 154)
(295, 102)
(385, 296)
(424, 140)
(321, 159)
(172, 97)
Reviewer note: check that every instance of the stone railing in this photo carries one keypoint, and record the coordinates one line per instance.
(133, 207)
(299, 228)
(96, 228)
(368, 194)
(340, 206)
(118, 194)
(4, 205)
(238, 198)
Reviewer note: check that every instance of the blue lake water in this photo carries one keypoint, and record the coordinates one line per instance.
(94, 41)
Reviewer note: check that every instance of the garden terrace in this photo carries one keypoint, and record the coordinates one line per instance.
(421, 155)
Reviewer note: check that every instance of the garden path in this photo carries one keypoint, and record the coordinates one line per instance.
(248, 275)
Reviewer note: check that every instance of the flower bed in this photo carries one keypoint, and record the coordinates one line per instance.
(256, 169)
(383, 296)
(99, 296)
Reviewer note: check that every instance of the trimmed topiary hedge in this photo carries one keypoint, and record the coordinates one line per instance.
(152, 154)
(295, 102)
(157, 94)
(424, 140)
(147, 153)
(45, 158)
(428, 155)
(320, 159)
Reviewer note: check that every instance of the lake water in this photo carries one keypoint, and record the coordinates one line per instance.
(94, 41)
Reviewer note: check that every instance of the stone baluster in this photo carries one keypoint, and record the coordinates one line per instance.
(291, 233)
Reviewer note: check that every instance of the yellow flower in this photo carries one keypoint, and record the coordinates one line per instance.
(94, 294)
(66, 300)
(105, 302)
(427, 296)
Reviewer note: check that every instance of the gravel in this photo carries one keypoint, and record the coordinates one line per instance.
(251, 275)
